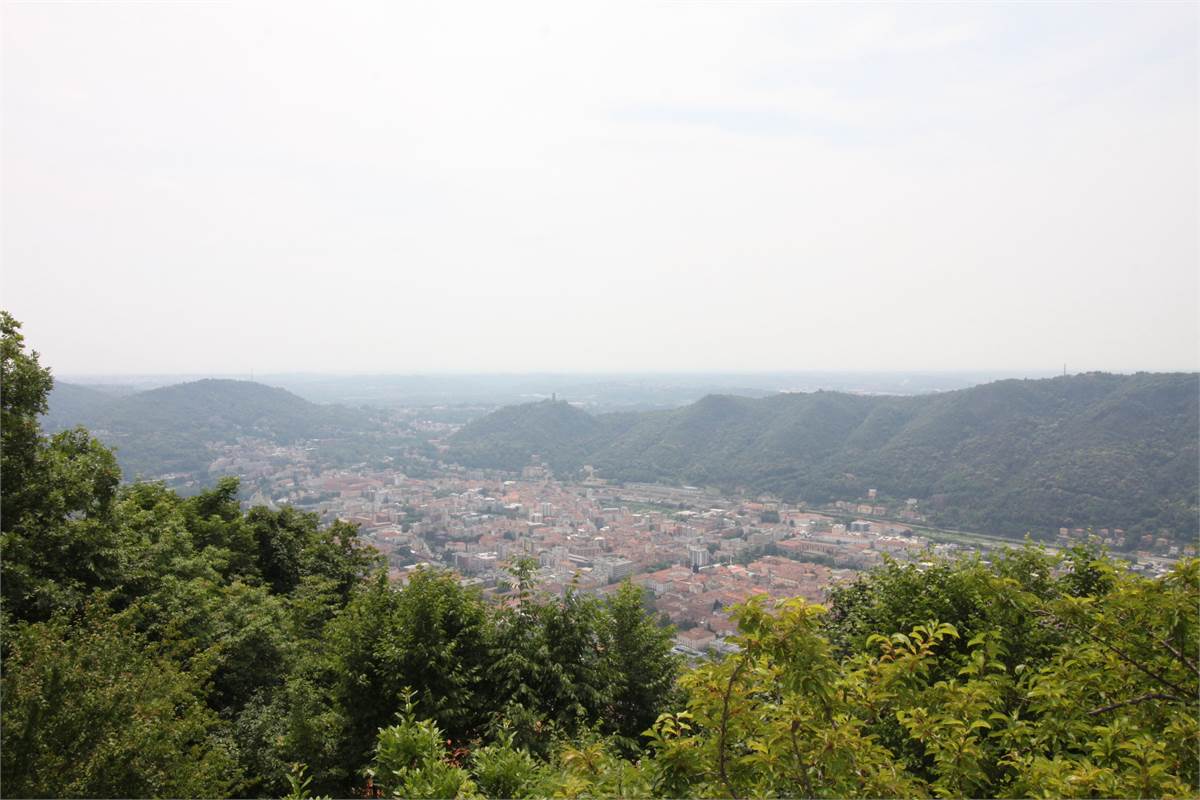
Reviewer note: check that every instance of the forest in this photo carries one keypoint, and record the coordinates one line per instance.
(156, 645)
(172, 429)
(1008, 458)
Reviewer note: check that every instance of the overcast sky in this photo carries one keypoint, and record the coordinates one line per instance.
(219, 187)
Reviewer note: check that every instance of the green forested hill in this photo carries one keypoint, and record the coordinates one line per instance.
(1117, 451)
(71, 404)
(169, 430)
(559, 432)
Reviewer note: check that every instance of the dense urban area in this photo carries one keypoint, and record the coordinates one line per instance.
(698, 552)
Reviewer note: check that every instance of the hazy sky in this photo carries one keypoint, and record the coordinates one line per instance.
(219, 187)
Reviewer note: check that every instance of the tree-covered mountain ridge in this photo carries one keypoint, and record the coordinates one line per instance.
(170, 429)
(1013, 456)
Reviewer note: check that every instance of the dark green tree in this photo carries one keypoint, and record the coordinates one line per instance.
(24, 385)
(56, 537)
(641, 665)
(90, 709)
(430, 637)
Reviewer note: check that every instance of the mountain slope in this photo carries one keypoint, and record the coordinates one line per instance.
(171, 429)
(509, 437)
(70, 404)
(1010, 456)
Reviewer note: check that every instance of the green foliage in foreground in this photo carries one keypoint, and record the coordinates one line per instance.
(1108, 709)
(159, 646)
(90, 709)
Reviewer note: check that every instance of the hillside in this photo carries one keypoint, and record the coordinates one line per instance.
(1011, 456)
(563, 434)
(171, 429)
(71, 404)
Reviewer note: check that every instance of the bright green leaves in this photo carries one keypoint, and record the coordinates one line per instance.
(678, 756)
(922, 712)
(411, 759)
(501, 769)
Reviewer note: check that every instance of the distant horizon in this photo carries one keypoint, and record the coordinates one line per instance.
(596, 391)
(258, 377)
(255, 376)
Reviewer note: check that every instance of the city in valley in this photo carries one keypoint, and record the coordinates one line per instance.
(696, 552)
